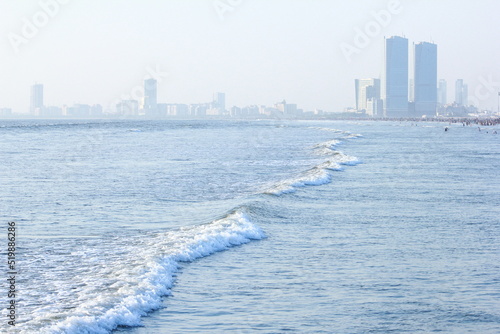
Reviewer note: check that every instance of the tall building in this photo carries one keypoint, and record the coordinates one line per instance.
(220, 102)
(395, 85)
(442, 92)
(425, 79)
(465, 95)
(411, 90)
(36, 103)
(150, 97)
(459, 88)
(368, 96)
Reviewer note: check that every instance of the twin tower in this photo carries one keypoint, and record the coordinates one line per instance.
(389, 97)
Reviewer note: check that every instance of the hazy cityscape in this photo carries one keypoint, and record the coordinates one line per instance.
(403, 91)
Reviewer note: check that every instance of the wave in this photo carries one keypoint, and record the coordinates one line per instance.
(119, 292)
(103, 284)
(313, 177)
(347, 134)
(328, 144)
(319, 174)
(35, 124)
(328, 129)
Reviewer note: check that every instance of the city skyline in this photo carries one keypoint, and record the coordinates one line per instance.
(404, 91)
(412, 90)
(254, 51)
(149, 107)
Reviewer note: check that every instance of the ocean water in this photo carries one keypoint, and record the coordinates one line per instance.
(252, 226)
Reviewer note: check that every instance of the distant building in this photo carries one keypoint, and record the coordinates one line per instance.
(161, 109)
(250, 111)
(235, 111)
(368, 96)
(96, 110)
(213, 112)
(128, 108)
(395, 80)
(51, 112)
(287, 109)
(465, 95)
(5, 112)
(150, 97)
(442, 92)
(459, 92)
(198, 110)
(220, 102)
(411, 90)
(454, 110)
(425, 79)
(78, 110)
(36, 102)
(375, 107)
(179, 110)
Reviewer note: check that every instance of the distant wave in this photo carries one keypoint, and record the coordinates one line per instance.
(313, 177)
(120, 292)
(319, 174)
(348, 134)
(26, 124)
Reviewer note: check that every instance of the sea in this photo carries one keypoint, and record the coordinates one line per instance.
(250, 226)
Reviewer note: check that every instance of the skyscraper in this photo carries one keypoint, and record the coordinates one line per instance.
(459, 87)
(411, 91)
(220, 102)
(36, 102)
(150, 97)
(395, 86)
(442, 92)
(465, 95)
(425, 79)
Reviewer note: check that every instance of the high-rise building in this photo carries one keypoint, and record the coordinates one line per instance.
(465, 95)
(368, 96)
(395, 81)
(220, 102)
(461, 93)
(459, 88)
(150, 97)
(442, 92)
(411, 90)
(36, 99)
(425, 79)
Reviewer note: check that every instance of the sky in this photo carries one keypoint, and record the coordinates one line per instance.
(307, 52)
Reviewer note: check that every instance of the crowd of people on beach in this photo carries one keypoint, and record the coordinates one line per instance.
(474, 121)
(463, 120)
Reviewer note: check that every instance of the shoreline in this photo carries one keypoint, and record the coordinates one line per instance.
(483, 121)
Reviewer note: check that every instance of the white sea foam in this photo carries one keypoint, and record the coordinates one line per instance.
(353, 135)
(328, 144)
(319, 174)
(313, 177)
(328, 149)
(117, 283)
(316, 176)
(329, 129)
(347, 134)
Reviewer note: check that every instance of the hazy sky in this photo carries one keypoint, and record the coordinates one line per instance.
(256, 51)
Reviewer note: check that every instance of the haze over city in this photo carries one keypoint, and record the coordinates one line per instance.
(257, 52)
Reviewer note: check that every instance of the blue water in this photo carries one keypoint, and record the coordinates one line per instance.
(259, 226)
